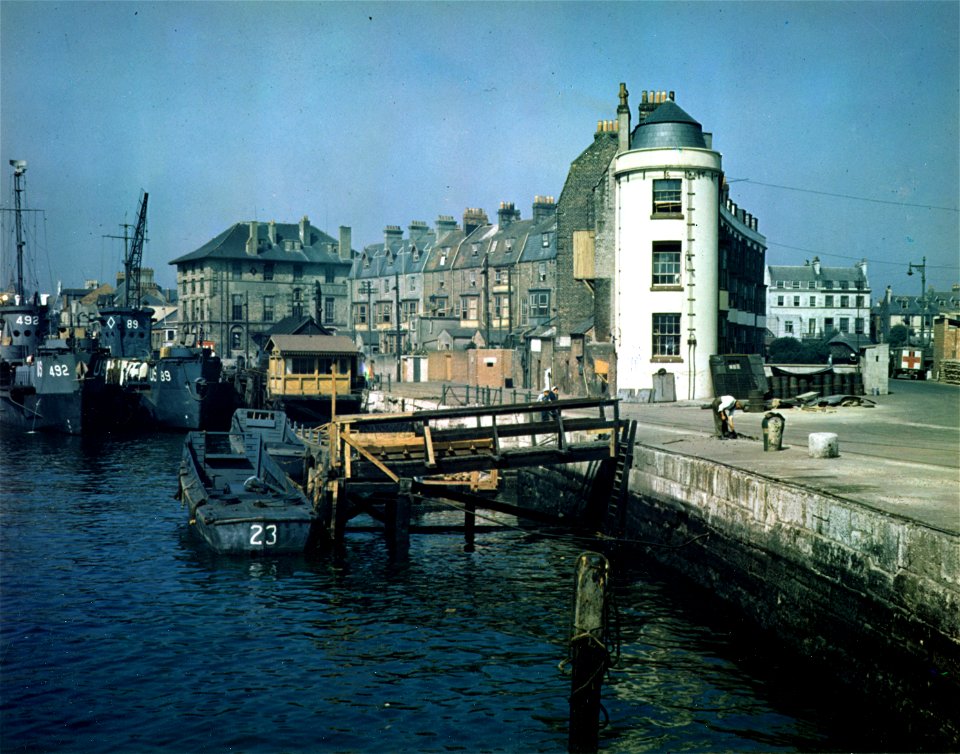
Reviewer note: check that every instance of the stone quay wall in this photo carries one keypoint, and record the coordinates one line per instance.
(873, 596)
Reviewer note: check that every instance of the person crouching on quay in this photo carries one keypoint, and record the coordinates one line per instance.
(723, 409)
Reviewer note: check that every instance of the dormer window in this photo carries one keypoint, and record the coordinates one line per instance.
(475, 248)
(443, 258)
(545, 240)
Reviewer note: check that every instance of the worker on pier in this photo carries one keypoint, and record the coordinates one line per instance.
(723, 409)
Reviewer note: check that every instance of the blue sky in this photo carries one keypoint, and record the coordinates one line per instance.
(837, 121)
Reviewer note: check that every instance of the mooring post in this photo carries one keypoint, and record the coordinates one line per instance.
(398, 521)
(469, 526)
(588, 653)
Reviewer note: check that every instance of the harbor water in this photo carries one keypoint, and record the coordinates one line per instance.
(120, 633)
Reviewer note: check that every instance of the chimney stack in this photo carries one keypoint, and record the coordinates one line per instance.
(417, 231)
(473, 218)
(252, 238)
(623, 120)
(272, 233)
(305, 231)
(816, 266)
(391, 236)
(346, 241)
(507, 214)
(543, 207)
(445, 224)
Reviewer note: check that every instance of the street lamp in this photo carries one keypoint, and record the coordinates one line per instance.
(922, 267)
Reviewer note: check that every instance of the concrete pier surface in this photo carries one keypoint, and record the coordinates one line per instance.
(899, 453)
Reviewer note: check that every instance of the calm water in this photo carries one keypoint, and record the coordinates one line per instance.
(121, 634)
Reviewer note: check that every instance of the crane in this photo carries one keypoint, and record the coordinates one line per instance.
(134, 260)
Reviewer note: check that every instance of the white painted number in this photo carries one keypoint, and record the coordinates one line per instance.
(257, 534)
(28, 319)
(132, 324)
(59, 370)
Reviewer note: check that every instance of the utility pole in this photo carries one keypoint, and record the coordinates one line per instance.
(396, 288)
(486, 298)
(922, 267)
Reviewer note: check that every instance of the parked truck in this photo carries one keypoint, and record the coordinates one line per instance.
(910, 362)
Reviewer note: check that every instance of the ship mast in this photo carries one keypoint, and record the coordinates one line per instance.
(19, 168)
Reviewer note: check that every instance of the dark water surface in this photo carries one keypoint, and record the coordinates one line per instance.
(120, 633)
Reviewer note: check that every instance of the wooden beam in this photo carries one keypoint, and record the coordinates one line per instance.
(428, 446)
(348, 439)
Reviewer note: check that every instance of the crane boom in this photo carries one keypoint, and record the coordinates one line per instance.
(134, 259)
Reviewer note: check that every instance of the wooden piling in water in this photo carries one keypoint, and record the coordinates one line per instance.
(588, 653)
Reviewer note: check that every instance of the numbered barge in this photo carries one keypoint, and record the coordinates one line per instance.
(239, 498)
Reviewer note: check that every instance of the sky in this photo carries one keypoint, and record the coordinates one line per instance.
(837, 121)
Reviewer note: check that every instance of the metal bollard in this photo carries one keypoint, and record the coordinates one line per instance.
(773, 425)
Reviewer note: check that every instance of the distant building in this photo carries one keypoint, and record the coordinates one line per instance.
(658, 270)
(254, 274)
(811, 301)
(916, 313)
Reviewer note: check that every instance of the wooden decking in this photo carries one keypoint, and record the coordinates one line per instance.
(436, 453)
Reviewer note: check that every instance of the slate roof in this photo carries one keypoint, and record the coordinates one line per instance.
(232, 244)
(314, 344)
(805, 273)
(668, 127)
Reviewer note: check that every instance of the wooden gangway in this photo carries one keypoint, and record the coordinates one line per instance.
(376, 463)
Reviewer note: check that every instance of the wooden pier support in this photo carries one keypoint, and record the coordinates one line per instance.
(397, 521)
(588, 652)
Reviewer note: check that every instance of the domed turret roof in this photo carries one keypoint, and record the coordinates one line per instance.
(668, 127)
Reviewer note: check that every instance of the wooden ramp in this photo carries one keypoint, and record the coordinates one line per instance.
(377, 463)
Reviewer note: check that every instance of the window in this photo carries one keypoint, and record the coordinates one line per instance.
(666, 263)
(796, 301)
(844, 324)
(844, 285)
(813, 301)
(412, 283)
(268, 271)
(779, 300)
(236, 270)
(812, 327)
(545, 240)
(828, 284)
(859, 302)
(360, 314)
(542, 271)
(301, 365)
(781, 284)
(788, 327)
(539, 303)
(236, 306)
(386, 285)
(475, 248)
(666, 196)
(440, 306)
(443, 257)
(858, 325)
(298, 272)
(268, 308)
(408, 310)
(812, 285)
(666, 335)
(828, 324)
(501, 307)
(236, 336)
(441, 282)
(383, 313)
(329, 310)
(828, 300)
(497, 276)
(329, 274)
(844, 302)
(469, 307)
(297, 309)
(796, 283)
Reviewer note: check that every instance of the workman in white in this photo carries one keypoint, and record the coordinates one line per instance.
(723, 408)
